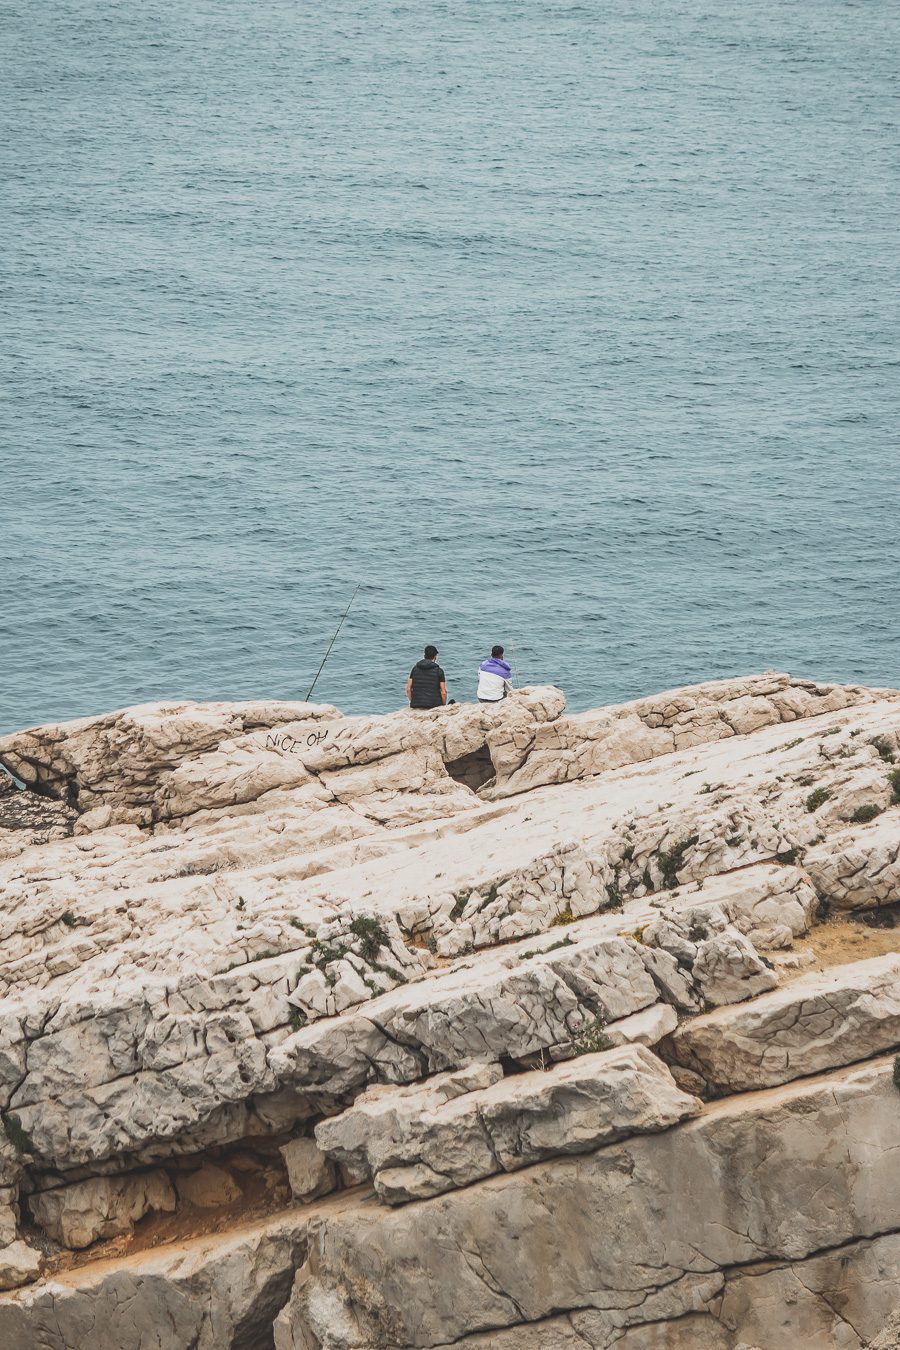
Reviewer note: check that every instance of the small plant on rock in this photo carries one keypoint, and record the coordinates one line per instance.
(323, 953)
(543, 951)
(613, 892)
(885, 750)
(17, 1135)
(563, 917)
(68, 918)
(591, 1038)
(371, 935)
(868, 811)
(894, 780)
(460, 900)
(817, 799)
(670, 861)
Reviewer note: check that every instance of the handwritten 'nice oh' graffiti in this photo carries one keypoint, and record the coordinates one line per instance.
(286, 744)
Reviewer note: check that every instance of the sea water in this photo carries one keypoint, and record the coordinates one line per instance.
(567, 326)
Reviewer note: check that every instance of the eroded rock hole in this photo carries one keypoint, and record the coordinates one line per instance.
(474, 770)
(23, 808)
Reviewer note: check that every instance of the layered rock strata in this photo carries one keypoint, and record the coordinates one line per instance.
(472, 970)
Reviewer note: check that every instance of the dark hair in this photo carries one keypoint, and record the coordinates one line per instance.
(497, 651)
(430, 652)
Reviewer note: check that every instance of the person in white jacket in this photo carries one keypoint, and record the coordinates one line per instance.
(494, 678)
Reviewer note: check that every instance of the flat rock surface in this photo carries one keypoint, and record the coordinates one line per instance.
(835, 1017)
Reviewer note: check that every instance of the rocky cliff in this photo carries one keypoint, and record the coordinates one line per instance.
(484, 1027)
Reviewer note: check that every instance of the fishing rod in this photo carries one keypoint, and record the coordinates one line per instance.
(512, 661)
(332, 642)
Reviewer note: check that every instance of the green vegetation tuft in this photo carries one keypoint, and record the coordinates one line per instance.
(371, 935)
(885, 750)
(563, 917)
(68, 918)
(17, 1135)
(615, 899)
(894, 780)
(817, 799)
(323, 953)
(868, 811)
(670, 861)
(460, 900)
(591, 1038)
(554, 947)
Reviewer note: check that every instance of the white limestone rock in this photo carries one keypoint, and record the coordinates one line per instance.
(770, 904)
(311, 1172)
(830, 1301)
(889, 1337)
(19, 1264)
(414, 1144)
(647, 1027)
(821, 1021)
(859, 868)
(156, 968)
(821, 1159)
(208, 1187)
(101, 1207)
(219, 1292)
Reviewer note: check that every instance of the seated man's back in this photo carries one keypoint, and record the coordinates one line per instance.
(494, 677)
(427, 684)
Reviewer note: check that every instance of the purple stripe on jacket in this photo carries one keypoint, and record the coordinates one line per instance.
(494, 666)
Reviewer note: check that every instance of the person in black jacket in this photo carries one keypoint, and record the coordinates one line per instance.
(427, 684)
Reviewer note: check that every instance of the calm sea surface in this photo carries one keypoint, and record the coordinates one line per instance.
(573, 327)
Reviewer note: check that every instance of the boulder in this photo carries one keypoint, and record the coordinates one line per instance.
(770, 903)
(859, 868)
(19, 1264)
(218, 1292)
(723, 963)
(209, 1187)
(100, 1207)
(647, 1027)
(310, 1171)
(417, 1142)
(819, 1022)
